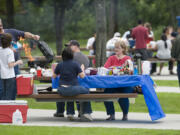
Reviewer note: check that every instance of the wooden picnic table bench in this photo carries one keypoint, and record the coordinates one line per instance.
(97, 96)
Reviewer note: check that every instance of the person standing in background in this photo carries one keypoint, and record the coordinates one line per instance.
(175, 52)
(140, 34)
(167, 31)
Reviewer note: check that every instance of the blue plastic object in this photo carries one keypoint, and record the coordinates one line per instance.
(14, 45)
(178, 19)
(135, 71)
(145, 81)
(131, 43)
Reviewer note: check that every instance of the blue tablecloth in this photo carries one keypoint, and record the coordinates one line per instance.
(145, 81)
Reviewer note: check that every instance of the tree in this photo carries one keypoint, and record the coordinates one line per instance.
(101, 32)
(59, 17)
(10, 13)
(113, 18)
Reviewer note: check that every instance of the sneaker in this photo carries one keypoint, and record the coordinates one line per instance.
(86, 117)
(111, 117)
(70, 117)
(58, 114)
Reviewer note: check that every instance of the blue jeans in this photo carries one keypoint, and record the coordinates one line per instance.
(73, 91)
(16, 70)
(178, 71)
(61, 107)
(9, 89)
(123, 102)
(1, 89)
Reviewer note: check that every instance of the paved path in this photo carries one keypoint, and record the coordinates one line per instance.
(37, 117)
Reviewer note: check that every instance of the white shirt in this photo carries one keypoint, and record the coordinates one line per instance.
(164, 53)
(90, 44)
(6, 56)
(110, 45)
(125, 34)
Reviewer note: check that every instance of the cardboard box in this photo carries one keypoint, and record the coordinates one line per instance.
(8, 107)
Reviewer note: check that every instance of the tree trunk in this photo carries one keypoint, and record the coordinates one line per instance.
(111, 19)
(59, 25)
(10, 13)
(101, 32)
(116, 27)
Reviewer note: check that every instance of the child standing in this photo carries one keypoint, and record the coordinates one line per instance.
(7, 63)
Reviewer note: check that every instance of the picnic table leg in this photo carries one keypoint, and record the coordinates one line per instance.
(81, 108)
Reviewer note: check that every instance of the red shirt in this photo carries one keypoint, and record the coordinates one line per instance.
(114, 61)
(140, 33)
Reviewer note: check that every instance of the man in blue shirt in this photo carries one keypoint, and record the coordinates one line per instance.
(16, 34)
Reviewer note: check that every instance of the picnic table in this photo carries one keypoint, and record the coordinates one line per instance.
(144, 81)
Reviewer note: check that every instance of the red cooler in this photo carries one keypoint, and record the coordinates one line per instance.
(8, 107)
(25, 84)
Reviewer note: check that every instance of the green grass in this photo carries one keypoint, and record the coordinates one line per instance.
(170, 83)
(29, 130)
(168, 102)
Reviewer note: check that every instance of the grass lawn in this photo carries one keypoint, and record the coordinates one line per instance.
(29, 130)
(169, 103)
(170, 83)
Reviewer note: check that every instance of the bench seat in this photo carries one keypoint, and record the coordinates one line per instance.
(81, 97)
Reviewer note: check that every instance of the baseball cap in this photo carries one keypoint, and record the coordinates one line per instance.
(73, 42)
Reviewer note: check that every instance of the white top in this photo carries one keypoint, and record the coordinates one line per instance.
(90, 44)
(110, 45)
(164, 53)
(6, 56)
(125, 34)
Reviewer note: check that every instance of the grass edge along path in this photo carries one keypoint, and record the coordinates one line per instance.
(27, 130)
(169, 83)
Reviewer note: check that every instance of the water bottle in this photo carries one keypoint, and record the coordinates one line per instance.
(17, 117)
(135, 70)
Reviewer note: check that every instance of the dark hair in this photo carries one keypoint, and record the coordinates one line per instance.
(140, 22)
(67, 54)
(164, 38)
(6, 40)
(165, 30)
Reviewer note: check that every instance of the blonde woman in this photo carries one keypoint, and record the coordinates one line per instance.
(119, 59)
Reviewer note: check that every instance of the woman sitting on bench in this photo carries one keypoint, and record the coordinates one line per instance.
(119, 59)
(68, 71)
(163, 52)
